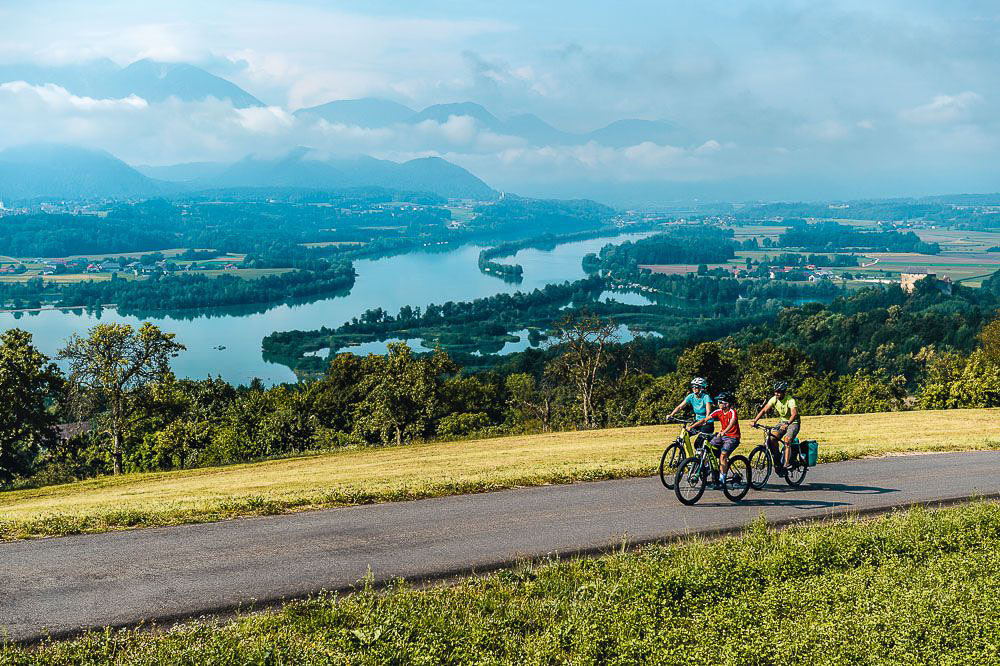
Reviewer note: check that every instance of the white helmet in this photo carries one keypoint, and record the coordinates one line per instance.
(699, 382)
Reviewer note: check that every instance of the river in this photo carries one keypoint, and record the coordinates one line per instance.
(417, 279)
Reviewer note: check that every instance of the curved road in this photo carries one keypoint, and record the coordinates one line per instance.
(59, 586)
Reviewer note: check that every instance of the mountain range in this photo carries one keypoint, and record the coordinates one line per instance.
(68, 172)
(157, 81)
(152, 80)
(371, 112)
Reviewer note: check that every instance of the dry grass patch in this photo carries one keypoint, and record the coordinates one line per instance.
(359, 476)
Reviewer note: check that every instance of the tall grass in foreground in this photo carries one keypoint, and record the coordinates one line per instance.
(914, 587)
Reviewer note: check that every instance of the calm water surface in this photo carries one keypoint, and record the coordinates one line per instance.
(418, 278)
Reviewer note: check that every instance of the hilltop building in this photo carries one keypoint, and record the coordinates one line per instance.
(909, 277)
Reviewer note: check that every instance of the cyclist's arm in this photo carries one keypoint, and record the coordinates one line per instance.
(697, 423)
(679, 407)
(763, 410)
(795, 414)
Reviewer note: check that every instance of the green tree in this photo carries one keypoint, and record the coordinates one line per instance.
(717, 363)
(111, 364)
(401, 393)
(989, 338)
(333, 397)
(763, 364)
(27, 381)
(819, 395)
(979, 383)
(530, 399)
(942, 370)
(659, 398)
(585, 341)
(863, 393)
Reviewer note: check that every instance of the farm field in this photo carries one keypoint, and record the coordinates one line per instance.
(671, 269)
(34, 269)
(358, 476)
(953, 240)
(917, 586)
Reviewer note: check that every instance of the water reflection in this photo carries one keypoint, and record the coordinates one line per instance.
(416, 279)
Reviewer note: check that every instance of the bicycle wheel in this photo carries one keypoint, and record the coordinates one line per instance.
(739, 480)
(689, 483)
(796, 474)
(760, 467)
(672, 458)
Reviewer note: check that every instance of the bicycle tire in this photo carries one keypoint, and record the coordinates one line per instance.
(761, 467)
(796, 475)
(671, 459)
(691, 478)
(739, 480)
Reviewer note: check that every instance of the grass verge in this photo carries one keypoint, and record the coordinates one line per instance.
(913, 587)
(361, 476)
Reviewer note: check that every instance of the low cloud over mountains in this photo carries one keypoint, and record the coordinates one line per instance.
(652, 102)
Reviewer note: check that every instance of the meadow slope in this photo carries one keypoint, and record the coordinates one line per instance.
(357, 476)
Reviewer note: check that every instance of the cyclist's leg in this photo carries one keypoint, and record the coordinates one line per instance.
(773, 445)
(782, 428)
(791, 430)
(729, 445)
(705, 432)
(716, 447)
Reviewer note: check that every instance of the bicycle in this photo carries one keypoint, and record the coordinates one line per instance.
(762, 462)
(676, 452)
(693, 474)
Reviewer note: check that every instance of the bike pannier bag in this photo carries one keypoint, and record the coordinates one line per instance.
(811, 451)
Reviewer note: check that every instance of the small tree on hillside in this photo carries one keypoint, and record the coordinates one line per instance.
(27, 381)
(990, 339)
(401, 393)
(531, 399)
(110, 364)
(584, 339)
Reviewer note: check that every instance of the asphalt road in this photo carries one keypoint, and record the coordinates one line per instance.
(60, 586)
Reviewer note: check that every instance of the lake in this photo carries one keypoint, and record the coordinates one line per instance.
(417, 279)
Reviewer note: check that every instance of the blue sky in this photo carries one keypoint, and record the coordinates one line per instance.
(776, 98)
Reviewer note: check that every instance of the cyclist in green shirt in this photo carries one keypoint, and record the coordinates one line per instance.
(788, 425)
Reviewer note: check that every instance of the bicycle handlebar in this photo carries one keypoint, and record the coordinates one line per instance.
(674, 419)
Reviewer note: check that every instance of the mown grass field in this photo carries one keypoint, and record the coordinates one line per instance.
(915, 587)
(357, 476)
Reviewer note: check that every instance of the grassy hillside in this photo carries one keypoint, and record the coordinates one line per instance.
(917, 587)
(388, 474)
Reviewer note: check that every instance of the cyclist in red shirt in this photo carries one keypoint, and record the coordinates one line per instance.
(728, 438)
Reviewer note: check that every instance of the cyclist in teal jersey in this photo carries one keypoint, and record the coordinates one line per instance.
(700, 403)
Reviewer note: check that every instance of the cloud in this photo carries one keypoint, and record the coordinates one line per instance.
(943, 109)
(50, 97)
(266, 119)
(781, 87)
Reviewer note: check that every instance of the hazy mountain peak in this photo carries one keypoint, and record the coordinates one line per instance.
(366, 112)
(306, 168)
(441, 113)
(155, 81)
(62, 171)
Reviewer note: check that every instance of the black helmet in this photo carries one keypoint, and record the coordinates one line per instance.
(726, 397)
(699, 382)
(780, 386)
